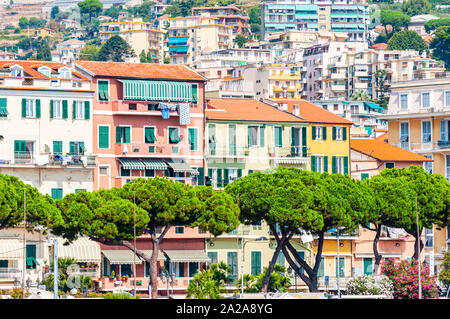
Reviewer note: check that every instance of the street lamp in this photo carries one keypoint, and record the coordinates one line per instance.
(262, 238)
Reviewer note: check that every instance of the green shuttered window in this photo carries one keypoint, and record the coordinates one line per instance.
(304, 143)
(57, 147)
(103, 137)
(193, 139)
(3, 108)
(123, 134)
(142, 90)
(278, 136)
(149, 133)
(65, 109)
(103, 90)
(256, 263)
(87, 110)
(57, 193)
(174, 135)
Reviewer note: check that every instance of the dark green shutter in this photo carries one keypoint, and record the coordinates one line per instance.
(321, 271)
(293, 142)
(333, 165)
(118, 134)
(364, 176)
(345, 165)
(87, 110)
(225, 177)
(344, 133)
(19, 146)
(313, 133)
(313, 163)
(127, 134)
(181, 265)
(38, 108)
(256, 263)
(201, 176)
(24, 107)
(103, 136)
(3, 108)
(51, 109)
(194, 93)
(325, 164)
(72, 148)
(262, 131)
(250, 139)
(65, 111)
(278, 136)
(239, 172)
(324, 133)
(150, 135)
(219, 178)
(57, 193)
(193, 139)
(304, 143)
(74, 109)
(57, 146)
(210, 174)
(232, 139)
(334, 133)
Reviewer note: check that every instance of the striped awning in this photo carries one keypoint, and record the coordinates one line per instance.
(180, 166)
(290, 161)
(11, 249)
(120, 257)
(83, 250)
(131, 163)
(150, 254)
(156, 90)
(154, 163)
(187, 256)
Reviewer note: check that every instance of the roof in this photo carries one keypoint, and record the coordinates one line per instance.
(30, 68)
(383, 137)
(311, 112)
(140, 70)
(246, 110)
(423, 18)
(73, 41)
(380, 46)
(384, 151)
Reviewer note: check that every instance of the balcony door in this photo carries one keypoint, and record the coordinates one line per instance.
(295, 141)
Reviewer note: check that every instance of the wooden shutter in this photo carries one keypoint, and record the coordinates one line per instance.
(24, 107)
(118, 134)
(250, 139)
(193, 139)
(87, 110)
(324, 133)
(194, 93)
(38, 108)
(325, 164)
(334, 133)
(51, 109)
(201, 176)
(19, 146)
(127, 134)
(313, 163)
(219, 178)
(239, 172)
(278, 136)
(313, 136)
(333, 165)
(225, 177)
(74, 110)
(72, 148)
(344, 133)
(57, 146)
(262, 133)
(103, 136)
(345, 165)
(256, 263)
(65, 111)
(304, 143)
(150, 135)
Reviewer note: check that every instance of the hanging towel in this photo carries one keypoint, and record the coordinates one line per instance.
(185, 115)
(165, 113)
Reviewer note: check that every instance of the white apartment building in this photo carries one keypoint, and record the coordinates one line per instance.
(191, 37)
(46, 126)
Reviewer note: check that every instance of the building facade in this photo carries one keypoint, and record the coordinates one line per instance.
(148, 121)
(46, 126)
(228, 15)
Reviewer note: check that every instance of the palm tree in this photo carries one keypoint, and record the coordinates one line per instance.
(360, 95)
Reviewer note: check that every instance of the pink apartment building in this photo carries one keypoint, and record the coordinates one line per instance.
(148, 120)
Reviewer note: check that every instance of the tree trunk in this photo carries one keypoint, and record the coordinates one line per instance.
(280, 244)
(377, 255)
(418, 240)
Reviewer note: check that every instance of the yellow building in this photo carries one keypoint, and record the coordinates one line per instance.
(140, 35)
(284, 81)
(328, 136)
(190, 37)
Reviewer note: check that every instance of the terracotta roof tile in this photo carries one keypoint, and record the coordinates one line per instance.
(383, 137)
(384, 151)
(246, 110)
(312, 113)
(141, 70)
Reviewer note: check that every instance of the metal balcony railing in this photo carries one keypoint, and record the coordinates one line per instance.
(10, 272)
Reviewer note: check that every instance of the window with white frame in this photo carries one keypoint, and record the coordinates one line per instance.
(57, 109)
(339, 165)
(404, 135)
(103, 170)
(319, 163)
(428, 237)
(30, 108)
(64, 73)
(318, 132)
(253, 132)
(232, 174)
(79, 110)
(426, 131)
(403, 101)
(16, 71)
(426, 99)
(428, 166)
(45, 71)
(447, 98)
(339, 133)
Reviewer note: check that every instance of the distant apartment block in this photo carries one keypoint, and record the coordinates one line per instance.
(228, 15)
(190, 37)
(140, 35)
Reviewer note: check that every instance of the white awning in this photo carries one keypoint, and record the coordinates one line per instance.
(120, 257)
(187, 256)
(384, 255)
(11, 249)
(83, 250)
(288, 160)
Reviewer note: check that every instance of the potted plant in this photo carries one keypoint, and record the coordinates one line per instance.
(112, 275)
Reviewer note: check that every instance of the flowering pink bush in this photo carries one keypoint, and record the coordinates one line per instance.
(405, 278)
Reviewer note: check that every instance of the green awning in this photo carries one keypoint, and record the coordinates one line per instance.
(180, 166)
(156, 90)
(154, 163)
(178, 40)
(179, 49)
(131, 163)
(121, 257)
(31, 261)
(374, 106)
(187, 256)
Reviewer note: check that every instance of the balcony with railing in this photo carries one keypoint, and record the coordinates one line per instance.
(51, 159)
(10, 273)
(157, 149)
(246, 151)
